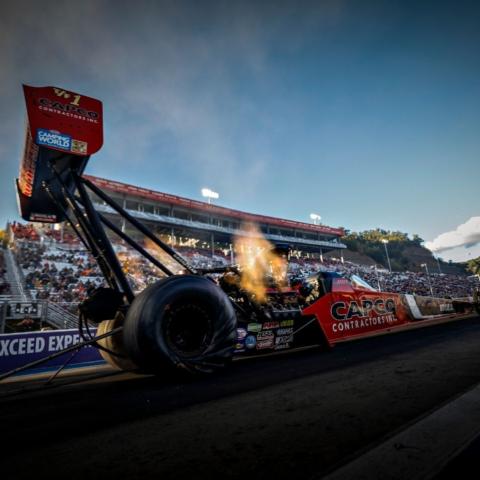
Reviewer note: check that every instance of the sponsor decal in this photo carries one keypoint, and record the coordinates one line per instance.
(282, 346)
(264, 335)
(241, 333)
(69, 110)
(287, 323)
(270, 325)
(283, 339)
(27, 168)
(250, 341)
(254, 327)
(79, 147)
(268, 343)
(285, 331)
(347, 310)
(446, 307)
(239, 347)
(43, 217)
(365, 314)
(53, 138)
(344, 326)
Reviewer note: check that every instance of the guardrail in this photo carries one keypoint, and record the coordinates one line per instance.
(59, 316)
(14, 276)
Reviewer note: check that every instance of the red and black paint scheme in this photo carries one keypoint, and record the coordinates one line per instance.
(327, 308)
(201, 320)
(62, 127)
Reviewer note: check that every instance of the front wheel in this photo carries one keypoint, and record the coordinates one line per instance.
(183, 322)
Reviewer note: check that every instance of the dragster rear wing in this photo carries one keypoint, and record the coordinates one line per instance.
(63, 129)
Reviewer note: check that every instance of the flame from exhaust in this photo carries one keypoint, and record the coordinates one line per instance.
(258, 263)
(162, 256)
(142, 270)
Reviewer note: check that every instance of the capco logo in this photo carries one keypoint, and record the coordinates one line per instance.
(348, 310)
(68, 108)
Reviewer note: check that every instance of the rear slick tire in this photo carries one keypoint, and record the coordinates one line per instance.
(183, 322)
(115, 353)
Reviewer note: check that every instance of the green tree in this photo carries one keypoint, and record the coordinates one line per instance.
(417, 239)
(473, 266)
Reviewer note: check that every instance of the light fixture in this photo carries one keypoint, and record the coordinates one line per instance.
(207, 193)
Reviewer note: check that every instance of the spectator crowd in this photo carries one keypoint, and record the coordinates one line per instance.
(60, 271)
(442, 285)
(4, 285)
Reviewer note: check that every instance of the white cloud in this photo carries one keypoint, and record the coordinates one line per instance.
(465, 235)
(460, 254)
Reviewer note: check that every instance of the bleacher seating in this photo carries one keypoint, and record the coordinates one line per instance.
(62, 272)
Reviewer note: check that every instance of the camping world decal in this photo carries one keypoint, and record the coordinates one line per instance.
(52, 138)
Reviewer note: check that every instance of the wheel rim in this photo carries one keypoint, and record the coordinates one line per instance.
(188, 329)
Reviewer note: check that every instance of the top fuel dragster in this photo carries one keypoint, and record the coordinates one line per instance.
(188, 321)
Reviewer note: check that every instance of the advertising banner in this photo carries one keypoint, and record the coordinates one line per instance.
(18, 349)
(20, 310)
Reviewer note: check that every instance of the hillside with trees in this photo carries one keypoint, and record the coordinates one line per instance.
(405, 253)
(473, 266)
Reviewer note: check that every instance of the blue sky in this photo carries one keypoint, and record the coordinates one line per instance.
(364, 112)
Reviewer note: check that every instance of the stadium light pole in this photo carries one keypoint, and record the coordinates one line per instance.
(385, 241)
(378, 280)
(428, 277)
(438, 263)
(209, 194)
(316, 218)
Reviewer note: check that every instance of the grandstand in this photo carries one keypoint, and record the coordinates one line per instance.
(184, 222)
(44, 275)
(46, 271)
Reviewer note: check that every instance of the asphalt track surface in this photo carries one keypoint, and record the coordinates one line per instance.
(297, 415)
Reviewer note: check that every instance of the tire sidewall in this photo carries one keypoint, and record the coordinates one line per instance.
(145, 325)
